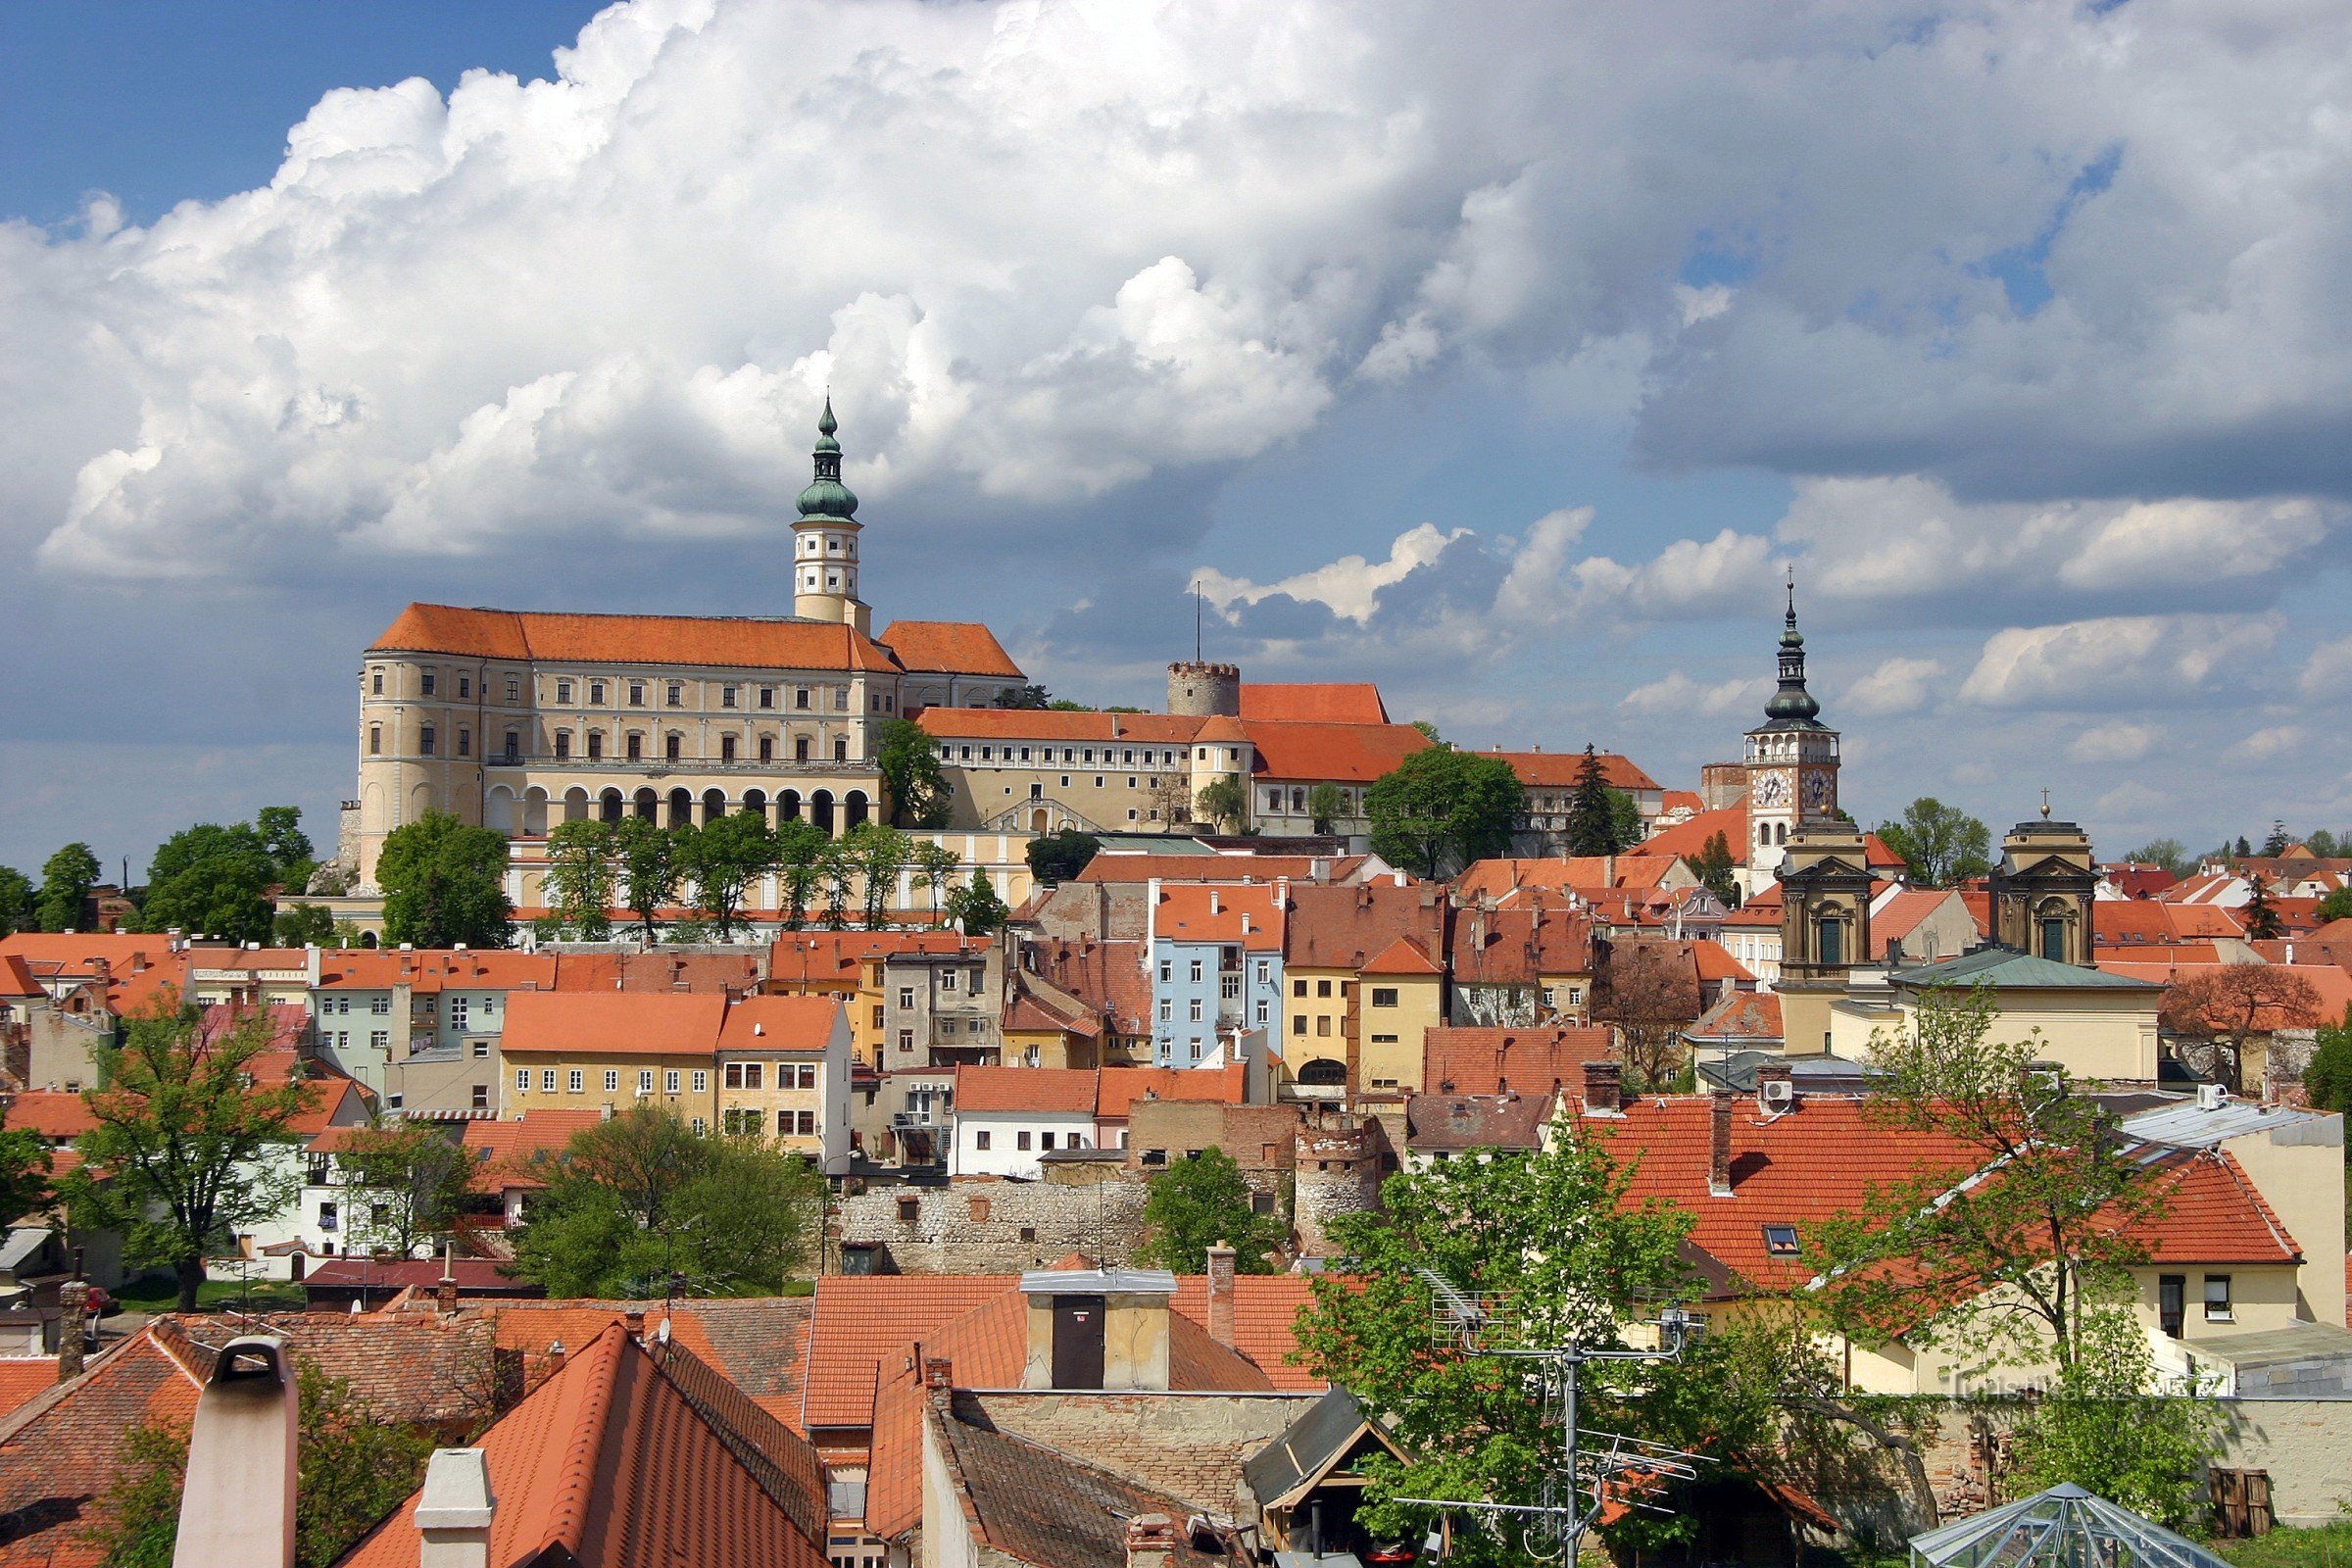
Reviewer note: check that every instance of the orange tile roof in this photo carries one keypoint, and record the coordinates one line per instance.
(716, 642)
(1559, 771)
(779, 1023)
(1346, 754)
(1494, 1061)
(1184, 914)
(148, 1377)
(619, 1024)
(657, 972)
(53, 1113)
(1057, 724)
(952, 647)
(1689, 836)
(16, 979)
(1342, 927)
(1521, 945)
(1315, 702)
(1402, 957)
(1715, 962)
(1113, 866)
(2213, 1214)
(430, 970)
(1901, 914)
(1037, 1091)
(1119, 1088)
(609, 1463)
(21, 1378)
(836, 958)
(515, 1141)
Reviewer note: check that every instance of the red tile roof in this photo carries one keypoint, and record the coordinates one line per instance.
(779, 1023)
(838, 958)
(1120, 866)
(1558, 771)
(1058, 725)
(1038, 1090)
(1193, 912)
(1492, 1061)
(657, 973)
(1318, 703)
(1742, 1015)
(45, 1506)
(1402, 957)
(21, 1378)
(1346, 754)
(611, 1463)
(16, 979)
(430, 970)
(952, 647)
(54, 1115)
(1689, 836)
(1343, 927)
(1716, 963)
(620, 1023)
(1119, 1088)
(727, 642)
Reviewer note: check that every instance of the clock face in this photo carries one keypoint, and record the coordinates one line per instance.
(1820, 794)
(1772, 790)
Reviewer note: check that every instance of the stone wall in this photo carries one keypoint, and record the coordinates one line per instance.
(1337, 1173)
(996, 1225)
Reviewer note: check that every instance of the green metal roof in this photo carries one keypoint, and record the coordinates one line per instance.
(2006, 967)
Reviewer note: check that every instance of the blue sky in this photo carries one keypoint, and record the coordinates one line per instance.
(1505, 359)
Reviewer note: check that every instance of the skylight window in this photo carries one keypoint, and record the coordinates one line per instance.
(1780, 1241)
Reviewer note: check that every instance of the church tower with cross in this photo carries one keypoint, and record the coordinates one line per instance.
(1791, 761)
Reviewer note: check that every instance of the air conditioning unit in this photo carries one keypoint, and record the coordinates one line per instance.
(1776, 1094)
(2212, 1096)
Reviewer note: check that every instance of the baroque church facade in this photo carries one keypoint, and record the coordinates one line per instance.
(521, 719)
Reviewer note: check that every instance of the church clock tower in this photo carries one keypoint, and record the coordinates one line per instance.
(1792, 762)
(825, 547)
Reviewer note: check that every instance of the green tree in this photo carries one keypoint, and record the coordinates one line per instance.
(211, 879)
(837, 874)
(1593, 826)
(583, 876)
(1713, 867)
(1441, 807)
(405, 1183)
(934, 863)
(352, 1470)
(1027, 697)
(2108, 1427)
(303, 925)
(2327, 1076)
(1197, 1202)
(634, 1199)
(878, 854)
(445, 883)
(24, 1168)
(279, 828)
(187, 1148)
(1326, 803)
(18, 903)
(802, 850)
(1942, 845)
(2166, 853)
(722, 858)
(66, 878)
(975, 910)
(2275, 843)
(1059, 857)
(1554, 1235)
(920, 795)
(648, 868)
(2323, 844)
(2336, 906)
(1430, 731)
(1625, 816)
(2259, 914)
(1062, 704)
(1226, 802)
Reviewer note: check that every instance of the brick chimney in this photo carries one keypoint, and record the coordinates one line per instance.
(445, 1292)
(1221, 1258)
(1719, 1144)
(1151, 1540)
(555, 1354)
(632, 1323)
(1605, 1088)
(72, 1313)
(938, 1372)
(455, 1510)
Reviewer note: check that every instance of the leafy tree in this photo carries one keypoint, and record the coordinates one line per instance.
(2323, 844)
(66, 878)
(1713, 867)
(1648, 990)
(1197, 1202)
(2244, 849)
(647, 869)
(2105, 1426)
(1441, 807)
(2276, 843)
(975, 910)
(303, 925)
(2215, 1011)
(1062, 704)
(1326, 803)
(1552, 1232)
(1026, 697)
(802, 851)
(1226, 801)
(1942, 845)
(1593, 825)
(353, 1469)
(1431, 730)
(934, 863)
(2337, 906)
(211, 879)
(279, 828)
(17, 902)
(722, 858)
(2166, 853)
(1625, 816)
(908, 757)
(407, 1182)
(24, 1167)
(636, 1199)
(187, 1144)
(2327, 1076)
(445, 883)
(878, 854)
(1059, 857)
(583, 875)
(2260, 915)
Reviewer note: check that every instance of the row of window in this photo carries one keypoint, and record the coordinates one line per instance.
(748, 1074)
(1127, 756)
(1021, 1139)
(428, 744)
(1229, 963)
(805, 699)
(743, 1121)
(576, 1081)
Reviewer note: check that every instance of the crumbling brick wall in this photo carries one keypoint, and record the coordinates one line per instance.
(996, 1225)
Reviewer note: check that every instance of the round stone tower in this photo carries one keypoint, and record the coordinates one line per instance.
(1205, 691)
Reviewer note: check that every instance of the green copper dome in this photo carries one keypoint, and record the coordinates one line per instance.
(826, 496)
(1792, 707)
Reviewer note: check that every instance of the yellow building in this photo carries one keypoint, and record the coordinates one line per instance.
(594, 1049)
(784, 1074)
(2098, 1026)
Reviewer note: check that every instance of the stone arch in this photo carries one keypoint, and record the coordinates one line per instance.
(647, 804)
(575, 804)
(1040, 820)
(498, 809)
(820, 809)
(534, 812)
(1323, 1072)
(788, 805)
(681, 808)
(368, 939)
(612, 804)
(715, 805)
(421, 801)
(855, 807)
(755, 804)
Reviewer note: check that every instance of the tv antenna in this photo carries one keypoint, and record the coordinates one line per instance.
(1593, 1468)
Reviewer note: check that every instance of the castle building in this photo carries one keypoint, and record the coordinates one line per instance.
(521, 719)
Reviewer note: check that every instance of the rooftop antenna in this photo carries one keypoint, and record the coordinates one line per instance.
(1594, 1468)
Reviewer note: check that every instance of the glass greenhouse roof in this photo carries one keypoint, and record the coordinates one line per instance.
(2065, 1527)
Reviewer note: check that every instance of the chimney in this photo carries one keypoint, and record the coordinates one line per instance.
(236, 1509)
(455, 1510)
(938, 1372)
(555, 1354)
(1151, 1540)
(1220, 1292)
(1216, 905)
(1719, 1144)
(74, 1305)
(1776, 1088)
(445, 1290)
(1605, 1088)
(632, 1323)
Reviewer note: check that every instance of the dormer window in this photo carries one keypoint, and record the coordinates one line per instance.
(1780, 1241)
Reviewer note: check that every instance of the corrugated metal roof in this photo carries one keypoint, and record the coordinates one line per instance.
(2184, 1124)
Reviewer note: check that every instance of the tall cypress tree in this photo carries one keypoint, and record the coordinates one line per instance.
(1592, 827)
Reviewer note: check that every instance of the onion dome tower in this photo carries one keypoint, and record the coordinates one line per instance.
(1791, 758)
(824, 550)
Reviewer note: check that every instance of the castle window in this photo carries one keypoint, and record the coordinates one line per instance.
(840, 699)
(375, 682)
(464, 685)
(2053, 939)
(676, 694)
(1763, 832)
(636, 694)
(767, 748)
(636, 745)
(376, 739)
(596, 745)
(562, 690)
(514, 745)
(425, 741)
(562, 744)
(465, 743)
(514, 689)
(726, 747)
(1833, 942)
(596, 692)
(841, 747)
(671, 747)
(799, 748)
(767, 697)
(726, 696)
(799, 699)
(429, 679)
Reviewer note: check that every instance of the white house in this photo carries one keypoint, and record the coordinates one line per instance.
(1006, 1117)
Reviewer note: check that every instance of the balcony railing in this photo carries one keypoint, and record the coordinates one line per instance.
(663, 767)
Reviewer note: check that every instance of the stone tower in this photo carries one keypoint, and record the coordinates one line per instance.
(1791, 761)
(2044, 892)
(1205, 691)
(824, 549)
